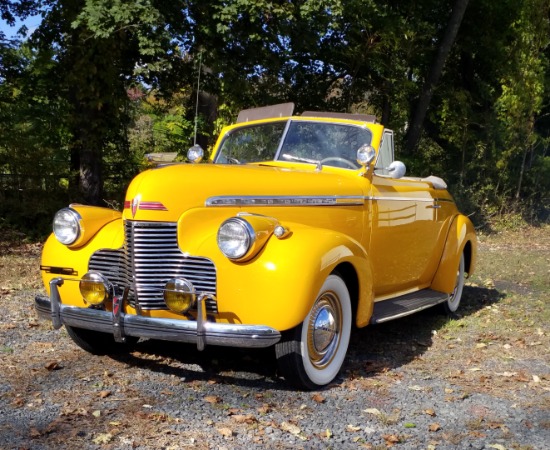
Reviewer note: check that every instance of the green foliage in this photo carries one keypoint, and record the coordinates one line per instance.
(104, 82)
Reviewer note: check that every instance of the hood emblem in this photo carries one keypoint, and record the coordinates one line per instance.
(135, 205)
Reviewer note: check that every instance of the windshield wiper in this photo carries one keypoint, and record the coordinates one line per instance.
(317, 163)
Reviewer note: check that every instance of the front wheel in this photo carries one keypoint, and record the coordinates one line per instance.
(311, 355)
(453, 302)
(98, 343)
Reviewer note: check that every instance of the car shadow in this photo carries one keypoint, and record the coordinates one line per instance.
(373, 349)
(380, 348)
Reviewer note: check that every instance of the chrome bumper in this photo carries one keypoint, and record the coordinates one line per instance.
(119, 324)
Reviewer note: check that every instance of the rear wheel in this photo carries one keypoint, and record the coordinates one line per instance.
(453, 302)
(98, 343)
(311, 355)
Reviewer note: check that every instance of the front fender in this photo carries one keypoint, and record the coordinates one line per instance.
(278, 286)
(460, 239)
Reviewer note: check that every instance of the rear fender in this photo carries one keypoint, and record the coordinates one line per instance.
(460, 239)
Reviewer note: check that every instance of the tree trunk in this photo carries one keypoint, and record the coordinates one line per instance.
(415, 128)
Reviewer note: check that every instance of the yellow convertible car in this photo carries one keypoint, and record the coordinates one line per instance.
(295, 231)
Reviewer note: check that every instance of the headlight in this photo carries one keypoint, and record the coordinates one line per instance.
(94, 288)
(235, 238)
(179, 295)
(66, 226)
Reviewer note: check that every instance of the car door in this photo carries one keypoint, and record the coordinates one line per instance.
(404, 228)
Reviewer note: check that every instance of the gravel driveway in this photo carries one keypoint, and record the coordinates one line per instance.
(421, 382)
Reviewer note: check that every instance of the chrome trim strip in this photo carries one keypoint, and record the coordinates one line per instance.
(286, 200)
(304, 200)
(189, 331)
(404, 199)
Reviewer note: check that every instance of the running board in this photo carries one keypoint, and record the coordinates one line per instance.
(394, 308)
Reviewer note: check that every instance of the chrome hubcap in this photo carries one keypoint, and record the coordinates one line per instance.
(324, 328)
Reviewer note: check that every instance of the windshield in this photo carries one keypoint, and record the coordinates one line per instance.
(313, 142)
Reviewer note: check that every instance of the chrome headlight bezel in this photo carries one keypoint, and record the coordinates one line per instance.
(236, 238)
(66, 226)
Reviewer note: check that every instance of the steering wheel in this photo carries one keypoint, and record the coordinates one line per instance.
(347, 162)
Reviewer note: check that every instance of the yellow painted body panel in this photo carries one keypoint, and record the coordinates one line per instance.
(92, 220)
(392, 233)
(461, 233)
(55, 254)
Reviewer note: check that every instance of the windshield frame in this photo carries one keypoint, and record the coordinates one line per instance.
(289, 122)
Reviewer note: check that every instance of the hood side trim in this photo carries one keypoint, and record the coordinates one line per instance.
(286, 200)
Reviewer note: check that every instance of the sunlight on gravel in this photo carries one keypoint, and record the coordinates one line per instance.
(479, 380)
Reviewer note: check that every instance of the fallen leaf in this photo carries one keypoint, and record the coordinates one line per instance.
(536, 379)
(96, 413)
(290, 428)
(264, 409)
(410, 425)
(225, 432)
(18, 402)
(318, 398)
(328, 433)
(506, 374)
(104, 394)
(212, 399)
(53, 365)
(391, 439)
(242, 418)
(103, 438)
(434, 427)
(372, 411)
(430, 412)
(352, 428)
(497, 446)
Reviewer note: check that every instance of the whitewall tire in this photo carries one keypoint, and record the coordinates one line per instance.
(453, 302)
(311, 355)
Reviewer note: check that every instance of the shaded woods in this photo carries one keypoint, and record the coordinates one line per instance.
(101, 83)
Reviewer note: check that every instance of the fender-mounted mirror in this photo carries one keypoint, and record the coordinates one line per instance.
(396, 169)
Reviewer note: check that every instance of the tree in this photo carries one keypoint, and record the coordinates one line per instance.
(432, 78)
(103, 47)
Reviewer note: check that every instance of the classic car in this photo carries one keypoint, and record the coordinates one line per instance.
(296, 230)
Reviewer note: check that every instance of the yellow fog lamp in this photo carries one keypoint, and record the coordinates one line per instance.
(94, 288)
(179, 295)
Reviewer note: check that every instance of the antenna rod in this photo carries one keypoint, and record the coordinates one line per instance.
(197, 101)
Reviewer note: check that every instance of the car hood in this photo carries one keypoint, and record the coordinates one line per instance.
(165, 193)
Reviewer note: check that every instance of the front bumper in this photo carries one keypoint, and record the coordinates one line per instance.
(200, 331)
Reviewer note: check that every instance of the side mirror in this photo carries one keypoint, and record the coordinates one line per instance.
(396, 169)
(195, 154)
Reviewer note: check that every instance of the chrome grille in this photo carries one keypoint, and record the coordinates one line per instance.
(149, 258)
